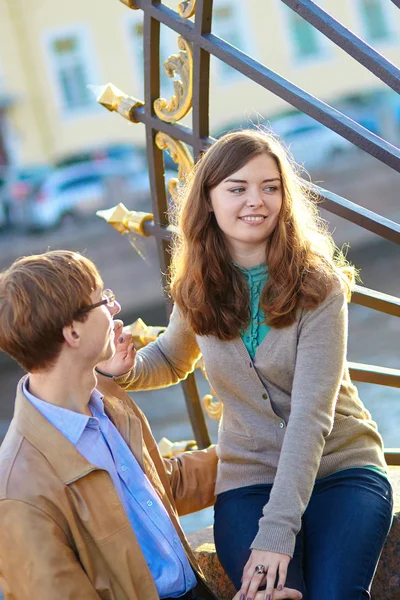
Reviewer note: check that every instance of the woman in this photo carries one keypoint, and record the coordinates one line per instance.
(302, 493)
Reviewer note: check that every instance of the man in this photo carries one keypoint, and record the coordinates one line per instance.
(88, 508)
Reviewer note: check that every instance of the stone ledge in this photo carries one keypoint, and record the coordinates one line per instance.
(386, 584)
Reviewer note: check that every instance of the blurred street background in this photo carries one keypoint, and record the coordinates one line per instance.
(62, 157)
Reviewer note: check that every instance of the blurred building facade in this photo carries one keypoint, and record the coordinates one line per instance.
(49, 52)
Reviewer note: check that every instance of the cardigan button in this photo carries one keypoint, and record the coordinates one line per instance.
(281, 424)
(265, 396)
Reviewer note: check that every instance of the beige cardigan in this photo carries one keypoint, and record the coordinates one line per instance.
(289, 417)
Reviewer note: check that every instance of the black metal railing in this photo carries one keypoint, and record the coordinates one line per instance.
(204, 44)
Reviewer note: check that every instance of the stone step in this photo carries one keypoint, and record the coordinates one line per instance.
(386, 584)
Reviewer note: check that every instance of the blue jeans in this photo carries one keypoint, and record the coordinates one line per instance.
(337, 550)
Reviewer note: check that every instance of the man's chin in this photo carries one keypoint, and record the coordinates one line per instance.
(107, 354)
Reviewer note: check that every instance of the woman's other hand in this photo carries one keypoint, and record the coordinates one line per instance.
(275, 565)
(124, 357)
(284, 594)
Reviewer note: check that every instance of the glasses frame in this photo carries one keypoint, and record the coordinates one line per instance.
(103, 302)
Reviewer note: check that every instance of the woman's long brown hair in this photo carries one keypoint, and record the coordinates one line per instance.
(303, 264)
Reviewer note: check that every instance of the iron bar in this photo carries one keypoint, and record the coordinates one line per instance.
(201, 78)
(376, 300)
(347, 41)
(373, 374)
(268, 79)
(367, 219)
(392, 456)
(195, 411)
(151, 45)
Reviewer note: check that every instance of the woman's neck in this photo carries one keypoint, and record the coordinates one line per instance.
(248, 258)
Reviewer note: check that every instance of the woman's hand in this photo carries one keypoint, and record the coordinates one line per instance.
(284, 594)
(275, 565)
(124, 357)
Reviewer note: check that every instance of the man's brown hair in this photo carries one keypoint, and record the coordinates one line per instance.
(39, 295)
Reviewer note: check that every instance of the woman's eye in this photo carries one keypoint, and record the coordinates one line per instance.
(271, 189)
(238, 190)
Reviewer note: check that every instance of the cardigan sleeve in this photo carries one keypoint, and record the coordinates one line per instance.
(321, 355)
(165, 361)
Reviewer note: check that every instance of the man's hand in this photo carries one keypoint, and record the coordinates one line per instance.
(125, 354)
(285, 594)
(275, 565)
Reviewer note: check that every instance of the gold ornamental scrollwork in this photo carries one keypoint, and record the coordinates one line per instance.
(181, 102)
(186, 9)
(211, 403)
(180, 155)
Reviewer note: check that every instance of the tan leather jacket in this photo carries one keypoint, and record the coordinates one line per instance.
(63, 531)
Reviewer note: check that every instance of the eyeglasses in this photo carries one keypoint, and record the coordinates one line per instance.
(108, 299)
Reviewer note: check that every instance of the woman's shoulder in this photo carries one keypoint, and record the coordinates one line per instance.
(335, 300)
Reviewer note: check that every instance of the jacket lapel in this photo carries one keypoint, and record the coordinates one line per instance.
(67, 462)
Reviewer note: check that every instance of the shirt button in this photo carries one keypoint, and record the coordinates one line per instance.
(124, 468)
(265, 396)
(149, 503)
(281, 425)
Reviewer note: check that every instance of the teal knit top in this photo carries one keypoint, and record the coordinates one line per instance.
(257, 329)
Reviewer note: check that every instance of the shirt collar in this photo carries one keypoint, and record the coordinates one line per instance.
(68, 422)
(258, 272)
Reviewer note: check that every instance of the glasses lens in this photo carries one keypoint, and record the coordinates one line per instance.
(110, 297)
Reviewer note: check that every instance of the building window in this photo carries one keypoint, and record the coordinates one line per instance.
(375, 20)
(305, 38)
(71, 72)
(135, 34)
(227, 25)
(168, 46)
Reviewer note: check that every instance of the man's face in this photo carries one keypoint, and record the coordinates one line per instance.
(98, 329)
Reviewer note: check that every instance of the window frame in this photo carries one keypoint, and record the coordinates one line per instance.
(88, 56)
(247, 45)
(324, 53)
(390, 14)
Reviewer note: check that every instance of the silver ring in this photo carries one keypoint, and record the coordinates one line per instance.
(260, 570)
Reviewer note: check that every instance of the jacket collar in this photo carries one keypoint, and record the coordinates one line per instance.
(67, 462)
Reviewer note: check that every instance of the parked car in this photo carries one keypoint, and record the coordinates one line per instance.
(74, 191)
(133, 156)
(78, 191)
(19, 185)
(311, 144)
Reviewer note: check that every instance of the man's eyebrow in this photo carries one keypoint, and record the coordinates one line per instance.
(245, 181)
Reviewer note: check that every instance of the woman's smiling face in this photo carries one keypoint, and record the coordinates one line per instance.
(247, 204)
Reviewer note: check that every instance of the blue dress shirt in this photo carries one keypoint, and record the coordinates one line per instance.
(99, 441)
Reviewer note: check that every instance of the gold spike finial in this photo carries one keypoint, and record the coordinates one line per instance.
(114, 99)
(124, 220)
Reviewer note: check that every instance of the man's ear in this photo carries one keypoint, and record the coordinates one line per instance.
(71, 335)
